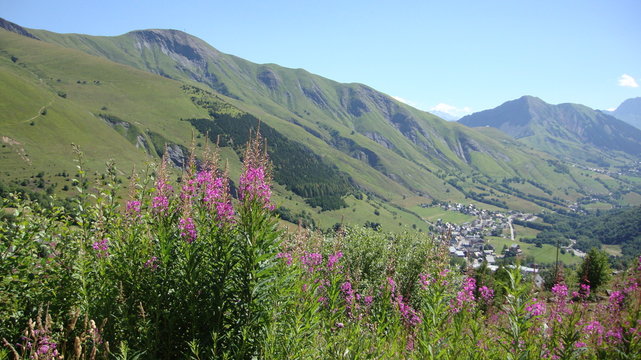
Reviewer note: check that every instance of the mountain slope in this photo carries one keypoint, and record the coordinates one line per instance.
(629, 111)
(319, 105)
(570, 131)
(398, 155)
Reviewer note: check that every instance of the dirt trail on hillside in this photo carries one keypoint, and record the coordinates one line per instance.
(39, 112)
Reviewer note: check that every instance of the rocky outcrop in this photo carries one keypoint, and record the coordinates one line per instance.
(269, 78)
(8, 25)
(177, 155)
(379, 139)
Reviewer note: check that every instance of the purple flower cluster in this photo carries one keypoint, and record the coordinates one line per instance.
(216, 195)
(560, 290)
(160, 202)
(101, 247)
(425, 280)
(348, 292)
(465, 296)
(152, 263)
(46, 348)
(559, 307)
(255, 187)
(595, 330)
(285, 256)
(333, 259)
(616, 300)
(312, 261)
(188, 229)
(535, 308)
(133, 207)
(188, 190)
(410, 316)
(583, 293)
(487, 294)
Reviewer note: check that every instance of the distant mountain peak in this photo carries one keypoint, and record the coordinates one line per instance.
(629, 111)
(558, 129)
(174, 41)
(531, 99)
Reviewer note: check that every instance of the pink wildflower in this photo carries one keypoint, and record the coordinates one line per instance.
(465, 296)
(536, 308)
(594, 327)
(425, 280)
(560, 290)
(255, 187)
(160, 202)
(216, 195)
(101, 247)
(583, 293)
(616, 300)
(312, 261)
(486, 293)
(286, 256)
(151, 263)
(614, 336)
(392, 284)
(333, 259)
(133, 207)
(46, 348)
(188, 229)
(188, 190)
(410, 316)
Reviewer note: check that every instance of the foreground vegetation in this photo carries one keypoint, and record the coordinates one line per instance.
(186, 270)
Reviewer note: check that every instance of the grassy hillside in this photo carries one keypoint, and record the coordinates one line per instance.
(400, 143)
(127, 97)
(63, 96)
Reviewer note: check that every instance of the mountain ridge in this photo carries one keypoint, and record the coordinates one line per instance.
(629, 111)
(388, 149)
(565, 130)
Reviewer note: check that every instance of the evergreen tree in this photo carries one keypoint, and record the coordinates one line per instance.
(595, 269)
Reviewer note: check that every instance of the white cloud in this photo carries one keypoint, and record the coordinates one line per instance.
(454, 112)
(628, 81)
(404, 101)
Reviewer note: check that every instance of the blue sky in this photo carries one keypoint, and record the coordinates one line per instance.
(463, 55)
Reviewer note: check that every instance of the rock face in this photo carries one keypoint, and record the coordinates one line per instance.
(191, 55)
(558, 129)
(8, 25)
(379, 139)
(269, 78)
(177, 155)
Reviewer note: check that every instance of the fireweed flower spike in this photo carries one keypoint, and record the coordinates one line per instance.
(256, 177)
(188, 229)
(160, 202)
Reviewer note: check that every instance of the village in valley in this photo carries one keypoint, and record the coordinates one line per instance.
(468, 240)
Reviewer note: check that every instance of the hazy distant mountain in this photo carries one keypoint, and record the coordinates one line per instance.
(629, 111)
(445, 116)
(570, 131)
